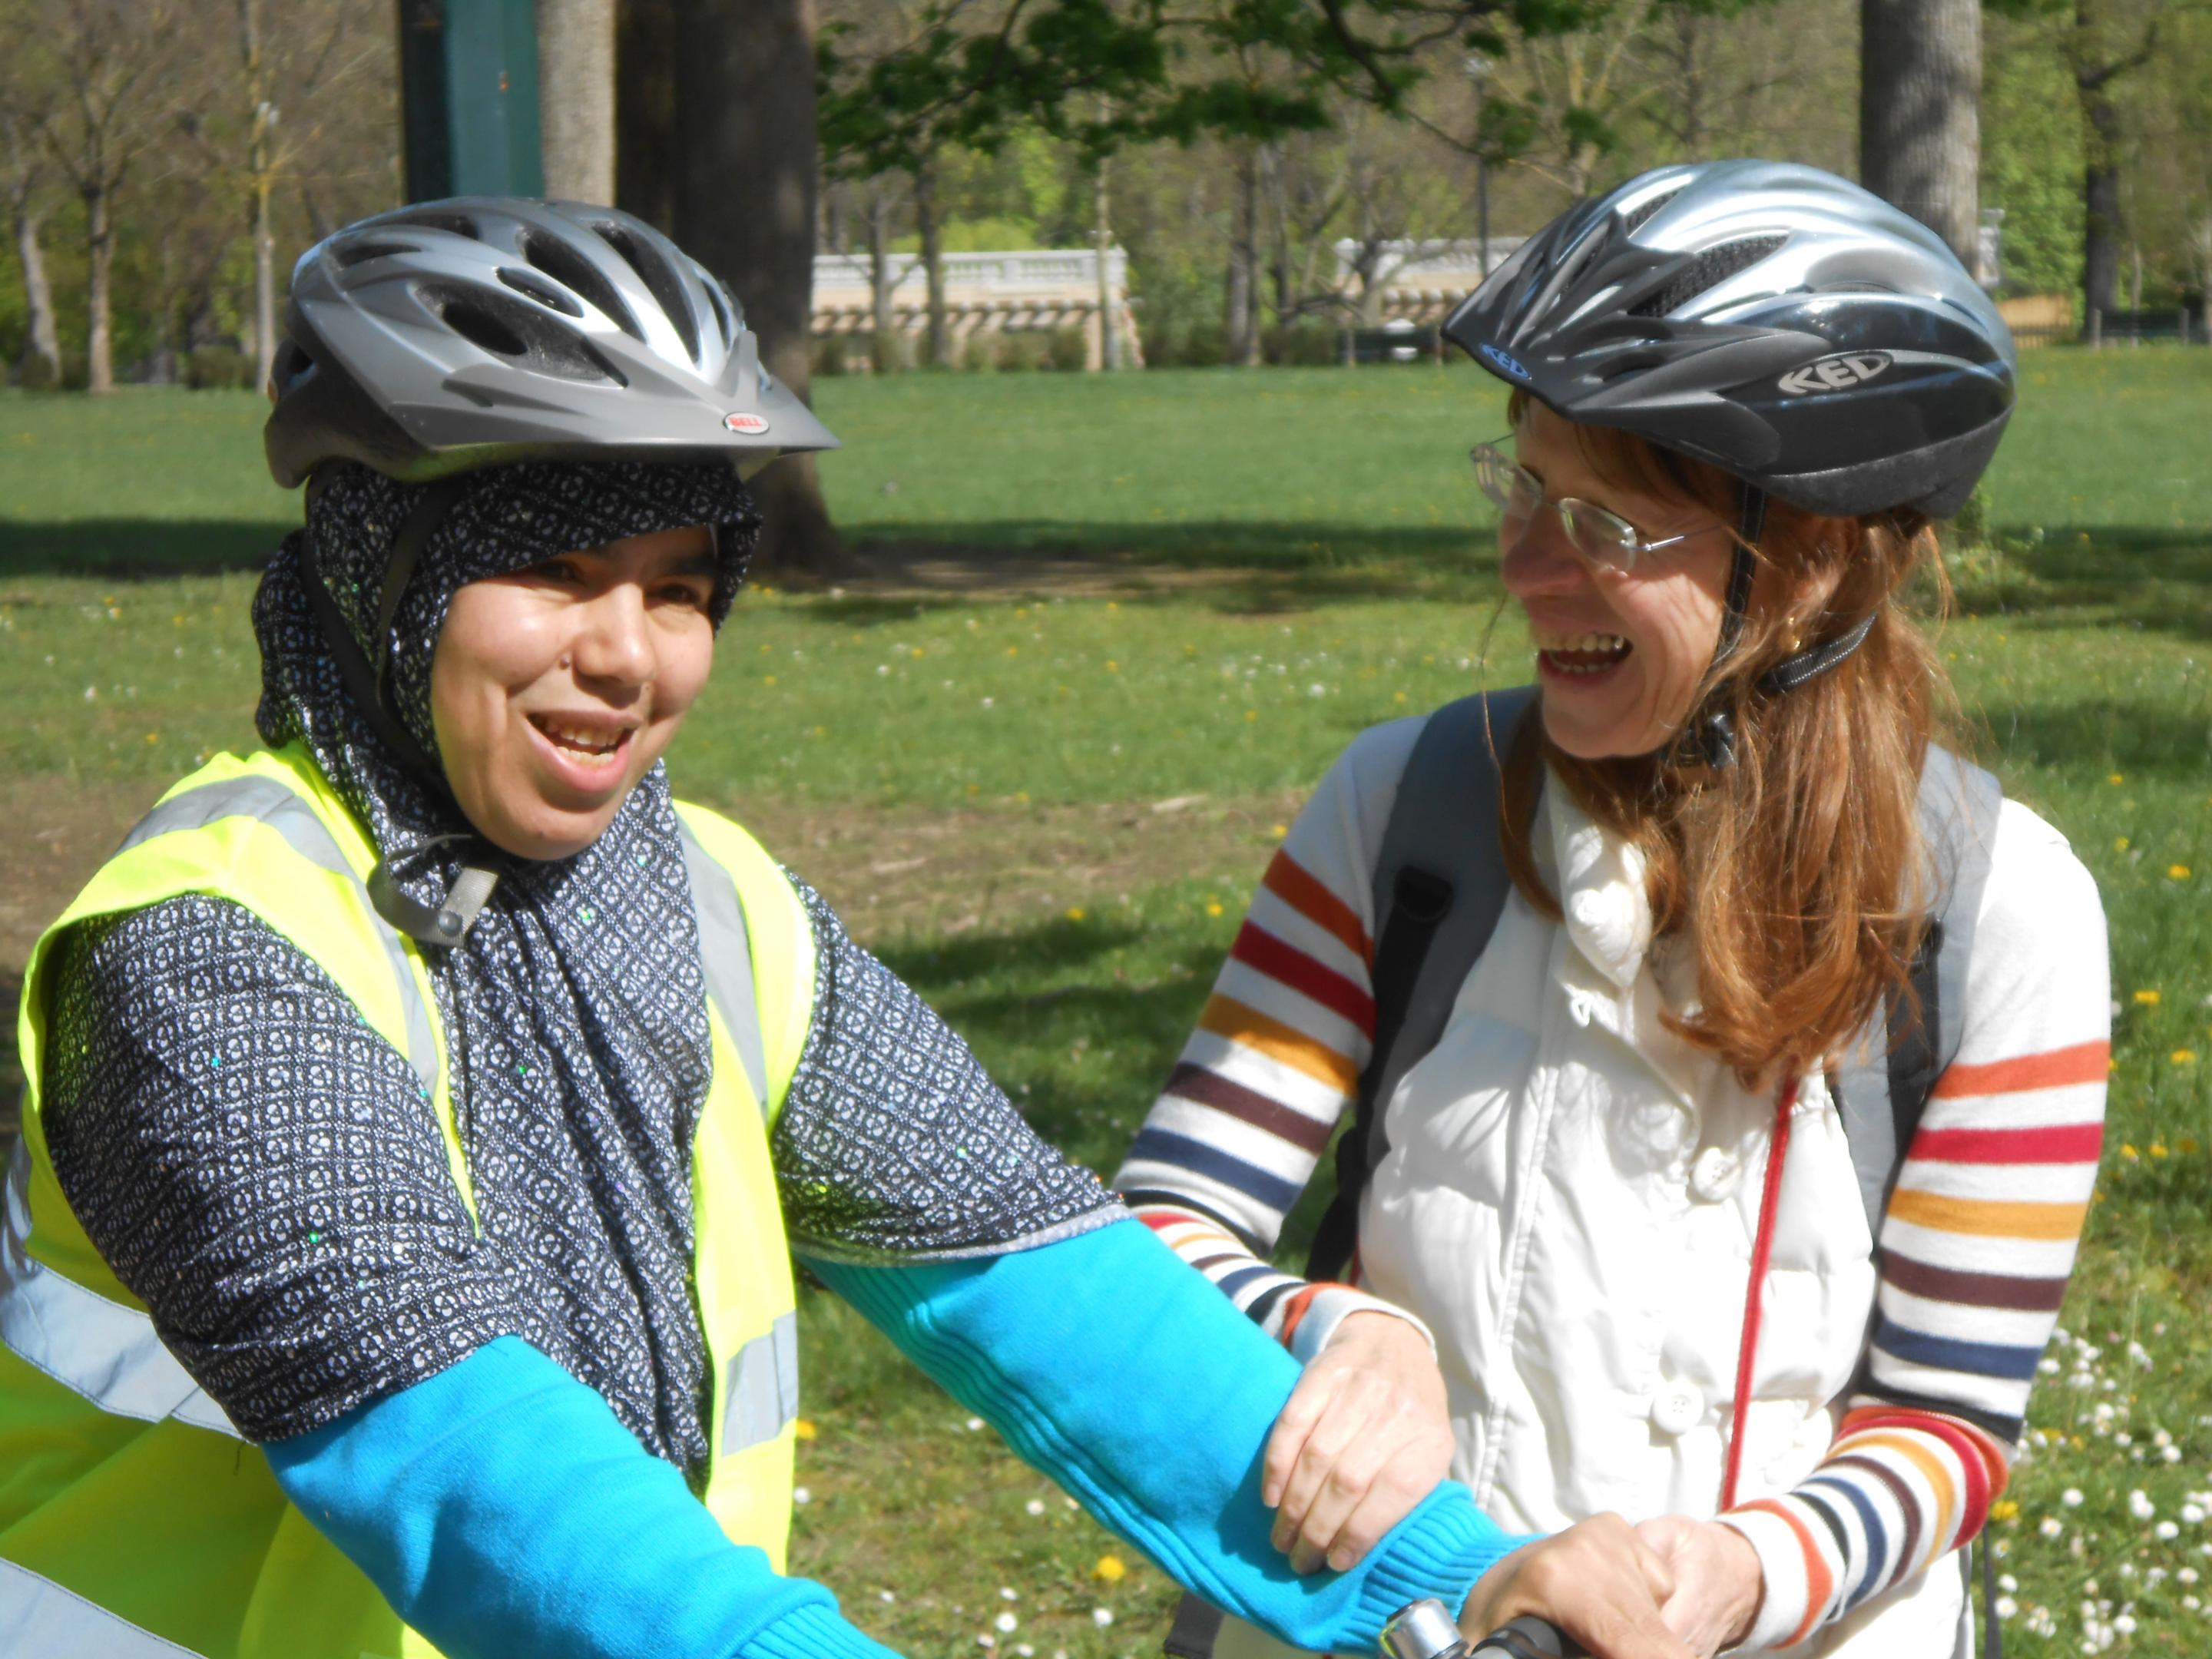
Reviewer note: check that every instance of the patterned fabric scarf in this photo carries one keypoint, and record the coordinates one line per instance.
(575, 1013)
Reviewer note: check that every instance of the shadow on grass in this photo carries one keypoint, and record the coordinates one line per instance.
(137, 549)
(2157, 579)
(2099, 734)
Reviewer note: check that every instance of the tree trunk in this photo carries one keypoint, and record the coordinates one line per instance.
(100, 248)
(883, 352)
(932, 263)
(40, 361)
(2100, 201)
(1241, 335)
(265, 281)
(576, 98)
(645, 110)
(744, 183)
(1278, 229)
(1920, 79)
(1109, 331)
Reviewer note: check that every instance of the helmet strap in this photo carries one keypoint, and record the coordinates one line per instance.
(1714, 738)
(366, 682)
(1714, 731)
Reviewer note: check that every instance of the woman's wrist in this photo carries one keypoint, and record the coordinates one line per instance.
(1334, 1307)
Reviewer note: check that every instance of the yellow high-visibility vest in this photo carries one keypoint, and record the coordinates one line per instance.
(134, 1520)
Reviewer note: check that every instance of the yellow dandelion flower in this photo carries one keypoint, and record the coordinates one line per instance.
(2116, 778)
(1279, 830)
(2183, 1056)
(1113, 605)
(1113, 667)
(1397, 697)
(1214, 906)
(2187, 1145)
(1251, 713)
(1075, 913)
(2177, 872)
(1111, 1568)
(2146, 999)
(2158, 1149)
(804, 1429)
(153, 737)
(180, 621)
(1013, 651)
(2004, 1510)
(767, 679)
(2128, 1151)
(2120, 843)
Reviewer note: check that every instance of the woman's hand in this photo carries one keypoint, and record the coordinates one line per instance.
(1719, 1582)
(1362, 1439)
(1598, 1580)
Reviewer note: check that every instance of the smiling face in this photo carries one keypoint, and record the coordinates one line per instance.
(554, 689)
(1620, 654)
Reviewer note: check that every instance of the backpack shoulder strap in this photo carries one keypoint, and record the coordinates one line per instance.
(1883, 1092)
(1440, 884)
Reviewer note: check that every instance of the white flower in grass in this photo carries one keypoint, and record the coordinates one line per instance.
(2166, 1529)
(2050, 1526)
(1102, 1617)
(2006, 1607)
(1005, 1623)
(1035, 1506)
(2071, 1498)
(2140, 1506)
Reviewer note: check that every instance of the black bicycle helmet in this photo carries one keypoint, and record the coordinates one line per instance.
(1776, 321)
(456, 334)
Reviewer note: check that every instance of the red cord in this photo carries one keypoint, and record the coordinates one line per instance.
(1762, 1248)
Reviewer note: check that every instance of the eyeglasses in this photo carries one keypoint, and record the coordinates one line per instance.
(1606, 539)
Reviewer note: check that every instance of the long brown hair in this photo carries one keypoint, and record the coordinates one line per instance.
(1798, 875)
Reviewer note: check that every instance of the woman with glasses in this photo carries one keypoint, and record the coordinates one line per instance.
(1721, 1061)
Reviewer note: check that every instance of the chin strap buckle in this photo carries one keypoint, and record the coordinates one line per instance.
(445, 923)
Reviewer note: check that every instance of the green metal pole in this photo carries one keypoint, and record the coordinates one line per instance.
(468, 95)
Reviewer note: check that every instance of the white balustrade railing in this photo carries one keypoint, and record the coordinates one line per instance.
(844, 278)
(1428, 261)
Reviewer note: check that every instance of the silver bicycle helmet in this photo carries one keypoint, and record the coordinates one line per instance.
(457, 334)
(1776, 321)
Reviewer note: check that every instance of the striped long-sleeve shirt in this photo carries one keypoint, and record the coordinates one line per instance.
(1973, 1253)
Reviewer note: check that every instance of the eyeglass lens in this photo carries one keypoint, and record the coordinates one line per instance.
(1602, 536)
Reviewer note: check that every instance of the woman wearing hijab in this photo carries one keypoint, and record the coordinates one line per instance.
(419, 1108)
(1634, 984)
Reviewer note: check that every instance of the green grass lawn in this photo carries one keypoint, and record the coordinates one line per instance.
(1355, 583)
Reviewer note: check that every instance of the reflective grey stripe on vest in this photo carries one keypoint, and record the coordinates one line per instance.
(763, 1387)
(1959, 807)
(37, 1616)
(99, 1349)
(282, 811)
(726, 952)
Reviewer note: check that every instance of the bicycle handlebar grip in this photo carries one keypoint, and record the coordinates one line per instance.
(1526, 1638)
(1426, 1630)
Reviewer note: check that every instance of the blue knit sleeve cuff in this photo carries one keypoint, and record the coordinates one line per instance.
(810, 1632)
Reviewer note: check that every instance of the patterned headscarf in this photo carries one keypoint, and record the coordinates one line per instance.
(574, 1010)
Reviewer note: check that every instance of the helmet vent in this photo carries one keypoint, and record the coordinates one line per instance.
(1635, 221)
(569, 268)
(659, 278)
(721, 313)
(455, 224)
(539, 288)
(361, 252)
(1709, 270)
(522, 334)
